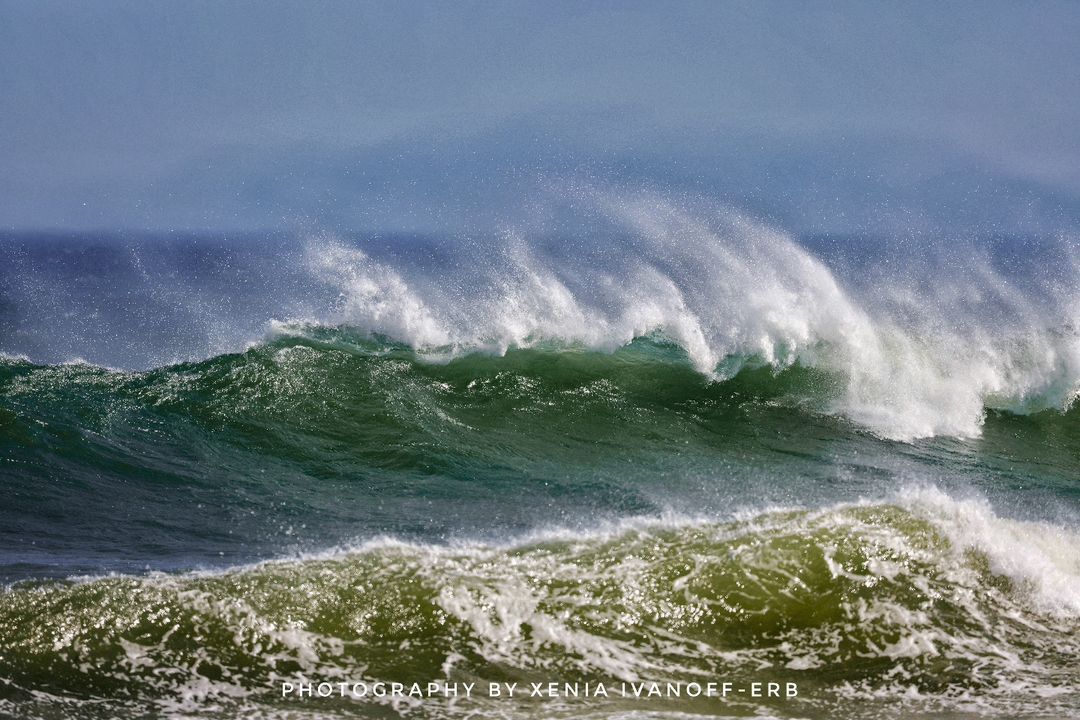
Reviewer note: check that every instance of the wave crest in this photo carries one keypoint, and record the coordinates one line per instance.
(921, 355)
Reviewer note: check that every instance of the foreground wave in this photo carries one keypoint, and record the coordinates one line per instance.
(921, 605)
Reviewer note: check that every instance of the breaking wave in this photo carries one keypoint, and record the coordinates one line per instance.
(921, 347)
(923, 336)
(934, 603)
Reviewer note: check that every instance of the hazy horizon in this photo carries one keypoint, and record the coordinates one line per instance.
(429, 118)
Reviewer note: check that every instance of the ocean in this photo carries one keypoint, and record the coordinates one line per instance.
(650, 445)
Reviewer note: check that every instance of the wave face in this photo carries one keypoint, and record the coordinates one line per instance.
(936, 605)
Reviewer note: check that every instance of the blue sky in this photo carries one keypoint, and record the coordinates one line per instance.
(446, 116)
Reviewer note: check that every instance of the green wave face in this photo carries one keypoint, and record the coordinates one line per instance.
(332, 393)
(288, 423)
(332, 385)
(334, 435)
(862, 606)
